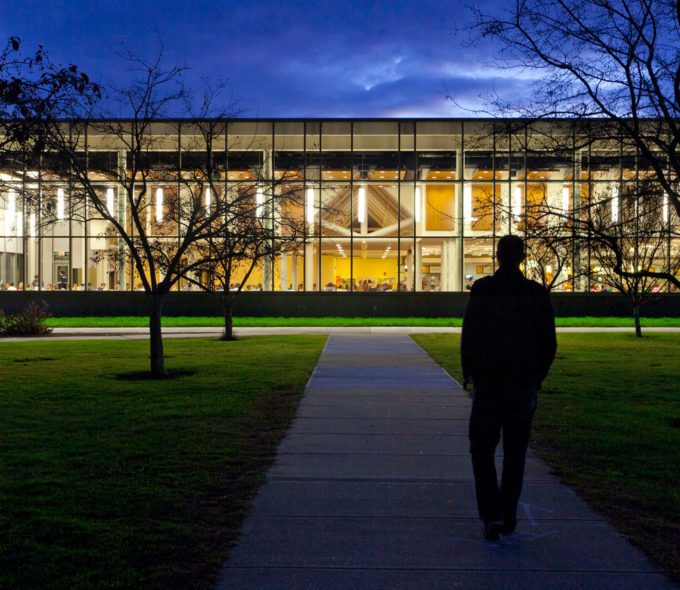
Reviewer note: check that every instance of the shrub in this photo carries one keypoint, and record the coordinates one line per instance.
(29, 322)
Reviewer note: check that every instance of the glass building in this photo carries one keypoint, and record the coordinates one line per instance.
(389, 205)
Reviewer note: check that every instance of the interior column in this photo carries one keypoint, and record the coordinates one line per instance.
(418, 262)
(283, 271)
(294, 271)
(310, 267)
(451, 278)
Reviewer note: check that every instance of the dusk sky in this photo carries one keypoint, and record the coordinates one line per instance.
(282, 58)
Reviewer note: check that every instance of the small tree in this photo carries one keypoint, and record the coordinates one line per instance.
(250, 220)
(629, 238)
(156, 211)
(244, 240)
(549, 256)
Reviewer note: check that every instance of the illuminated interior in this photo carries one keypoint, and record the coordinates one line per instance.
(388, 205)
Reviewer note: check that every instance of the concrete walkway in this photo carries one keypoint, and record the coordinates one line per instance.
(372, 488)
(207, 332)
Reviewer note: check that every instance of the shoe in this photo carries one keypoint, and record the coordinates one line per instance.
(508, 527)
(492, 531)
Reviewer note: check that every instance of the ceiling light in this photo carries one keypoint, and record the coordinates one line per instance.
(208, 199)
(417, 205)
(310, 205)
(60, 204)
(615, 204)
(361, 212)
(159, 205)
(517, 203)
(11, 205)
(467, 203)
(664, 208)
(565, 199)
(259, 202)
(109, 201)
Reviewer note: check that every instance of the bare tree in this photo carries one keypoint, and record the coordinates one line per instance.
(616, 60)
(154, 210)
(34, 93)
(611, 67)
(549, 254)
(630, 238)
(254, 229)
(627, 233)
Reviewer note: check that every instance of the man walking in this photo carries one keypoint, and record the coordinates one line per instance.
(507, 346)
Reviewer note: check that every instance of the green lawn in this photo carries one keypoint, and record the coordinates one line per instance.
(122, 483)
(609, 422)
(183, 321)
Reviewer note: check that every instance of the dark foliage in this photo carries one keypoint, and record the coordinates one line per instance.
(29, 322)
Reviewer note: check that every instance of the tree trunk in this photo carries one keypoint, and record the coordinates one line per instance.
(636, 317)
(228, 320)
(156, 339)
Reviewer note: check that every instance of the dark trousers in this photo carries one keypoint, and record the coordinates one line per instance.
(510, 410)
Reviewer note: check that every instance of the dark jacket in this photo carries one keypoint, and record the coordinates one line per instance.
(508, 334)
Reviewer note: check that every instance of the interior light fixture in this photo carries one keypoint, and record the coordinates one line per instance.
(208, 199)
(310, 205)
(32, 226)
(60, 204)
(159, 205)
(517, 203)
(418, 205)
(565, 199)
(467, 203)
(11, 205)
(110, 201)
(615, 205)
(259, 201)
(664, 208)
(361, 210)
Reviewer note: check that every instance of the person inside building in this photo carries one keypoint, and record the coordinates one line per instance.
(507, 346)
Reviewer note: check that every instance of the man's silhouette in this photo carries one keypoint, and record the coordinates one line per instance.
(507, 346)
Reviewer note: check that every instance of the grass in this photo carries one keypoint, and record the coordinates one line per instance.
(609, 423)
(243, 322)
(110, 482)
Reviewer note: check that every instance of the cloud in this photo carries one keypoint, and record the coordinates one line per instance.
(289, 58)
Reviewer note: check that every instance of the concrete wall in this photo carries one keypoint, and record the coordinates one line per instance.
(111, 303)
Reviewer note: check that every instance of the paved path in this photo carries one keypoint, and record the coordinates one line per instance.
(372, 489)
(188, 332)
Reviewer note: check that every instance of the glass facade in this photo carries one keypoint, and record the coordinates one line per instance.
(388, 205)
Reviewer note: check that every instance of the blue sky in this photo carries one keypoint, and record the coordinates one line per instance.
(282, 58)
